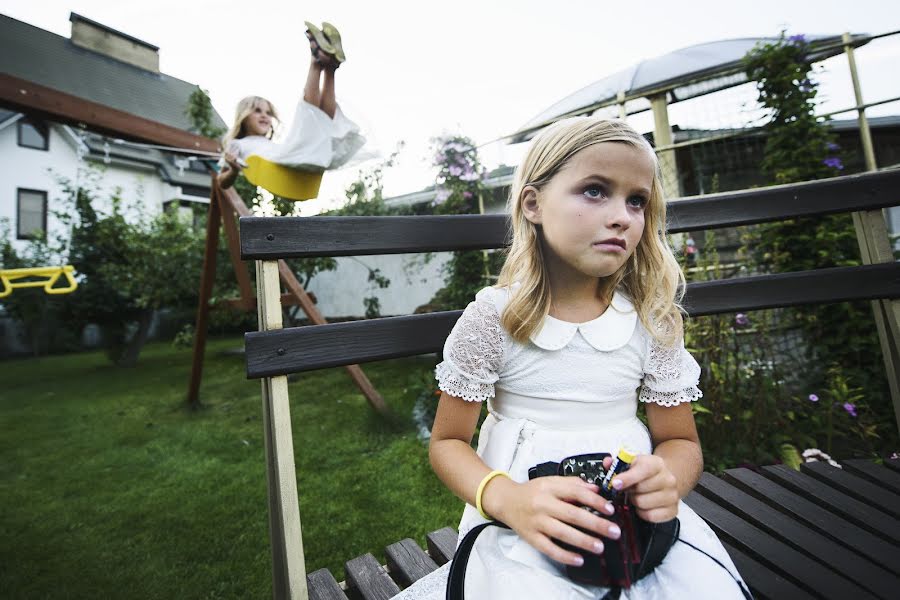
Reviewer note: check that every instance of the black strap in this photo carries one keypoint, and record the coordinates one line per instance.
(456, 580)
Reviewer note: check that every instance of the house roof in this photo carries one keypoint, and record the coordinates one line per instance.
(682, 74)
(47, 59)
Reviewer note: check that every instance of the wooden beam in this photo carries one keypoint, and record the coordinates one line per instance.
(25, 96)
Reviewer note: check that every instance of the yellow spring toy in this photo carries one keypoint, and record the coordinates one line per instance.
(280, 180)
(46, 278)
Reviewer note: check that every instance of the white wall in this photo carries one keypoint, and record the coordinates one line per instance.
(340, 292)
(39, 170)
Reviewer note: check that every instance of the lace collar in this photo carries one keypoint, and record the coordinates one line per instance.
(613, 329)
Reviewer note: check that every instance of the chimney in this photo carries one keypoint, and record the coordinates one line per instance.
(115, 44)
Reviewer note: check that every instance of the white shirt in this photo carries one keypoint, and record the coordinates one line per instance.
(569, 375)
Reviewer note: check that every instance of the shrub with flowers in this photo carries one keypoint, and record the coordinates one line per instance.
(459, 185)
(799, 147)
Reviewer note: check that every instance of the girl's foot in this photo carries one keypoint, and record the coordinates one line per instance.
(334, 37)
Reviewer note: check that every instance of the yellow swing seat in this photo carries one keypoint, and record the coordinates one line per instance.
(9, 278)
(280, 180)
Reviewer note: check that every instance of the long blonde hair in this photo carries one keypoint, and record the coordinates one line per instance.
(244, 109)
(651, 277)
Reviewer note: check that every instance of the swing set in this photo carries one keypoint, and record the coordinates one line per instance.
(225, 207)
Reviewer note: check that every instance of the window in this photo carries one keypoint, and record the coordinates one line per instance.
(33, 134)
(31, 214)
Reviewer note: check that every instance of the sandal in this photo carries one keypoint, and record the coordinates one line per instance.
(334, 37)
(319, 38)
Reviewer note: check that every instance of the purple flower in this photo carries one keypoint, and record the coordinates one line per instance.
(797, 39)
(813, 398)
(467, 195)
(834, 162)
(850, 408)
(469, 176)
(832, 147)
(741, 319)
(454, 171)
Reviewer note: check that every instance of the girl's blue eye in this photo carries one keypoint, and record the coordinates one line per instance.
(593, 191)
(637, 201)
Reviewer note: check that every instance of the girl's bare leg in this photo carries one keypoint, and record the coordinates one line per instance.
(328, 102)
(311, 91)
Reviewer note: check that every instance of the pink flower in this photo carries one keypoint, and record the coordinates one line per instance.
(813, 398)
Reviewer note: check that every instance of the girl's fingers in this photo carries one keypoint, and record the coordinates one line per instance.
(645, 466)
(658, 499)
(577, 516)
(545, 545)
(658, 515)
(561, 532)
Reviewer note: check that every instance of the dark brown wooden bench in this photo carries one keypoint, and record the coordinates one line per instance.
(817, 533)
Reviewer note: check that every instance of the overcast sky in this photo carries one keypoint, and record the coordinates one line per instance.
(418, 69)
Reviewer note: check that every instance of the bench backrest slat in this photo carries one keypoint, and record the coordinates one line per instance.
(266, 238)
(313, 347)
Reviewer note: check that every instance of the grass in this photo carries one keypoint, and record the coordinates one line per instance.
(110, 487)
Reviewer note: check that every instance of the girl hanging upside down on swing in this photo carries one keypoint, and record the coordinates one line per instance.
(320, 138)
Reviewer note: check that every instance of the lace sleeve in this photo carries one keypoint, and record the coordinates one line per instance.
(472, 354)
(671, 375)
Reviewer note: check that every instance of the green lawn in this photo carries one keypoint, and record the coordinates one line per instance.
(109, 487)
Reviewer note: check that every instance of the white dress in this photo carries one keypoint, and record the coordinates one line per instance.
(572, 390)
(315, 142)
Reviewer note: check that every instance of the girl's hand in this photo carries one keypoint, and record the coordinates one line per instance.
(653, 488)
(232, 162)
(551, 507)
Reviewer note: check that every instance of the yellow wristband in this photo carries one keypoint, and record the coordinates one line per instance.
(481, 487)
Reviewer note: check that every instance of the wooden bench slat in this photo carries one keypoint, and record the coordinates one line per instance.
(408, 562)
(777, 555)
(818, 286)
(820, 512)
(265, 238)
(893, 463)
(283, 351)
(777, 203)
(868, 575)
(763, 582)
(323, 586)
(297, 349)
(861, 513)
(882, 476)
(854, 486)
(366, 577)
(442, 544)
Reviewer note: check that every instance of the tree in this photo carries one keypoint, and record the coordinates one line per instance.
(127, 267)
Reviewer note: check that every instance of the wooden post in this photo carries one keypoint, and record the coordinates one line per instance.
(620, 99)
(875, 247)
(207, 278)
(662, 136)
(234, 251)
(288, 566)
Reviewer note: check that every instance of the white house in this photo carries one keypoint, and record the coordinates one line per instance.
(50, 88)
(94, 100)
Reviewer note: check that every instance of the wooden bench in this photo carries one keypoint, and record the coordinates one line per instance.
(819, 533)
